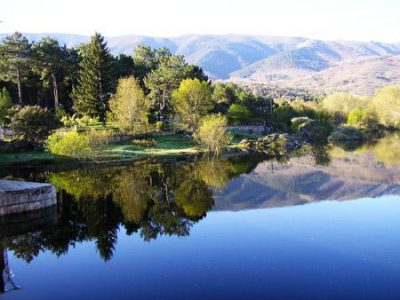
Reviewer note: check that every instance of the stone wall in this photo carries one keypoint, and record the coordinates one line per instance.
(247, 128)
(18, 197)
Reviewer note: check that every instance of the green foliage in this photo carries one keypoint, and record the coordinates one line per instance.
(162, 81)
(33, 123)
(81, 145)
(212, 133)
(226, 94)
(356, 117)
(144, 142)
(238, 114)
(122, 66)
(49, 60)
(128, 107)
(192, 101)
(15, 52)
(347, 137)
(94, 82)
(75, 121)
(5, 104)
(282, 116)
(386, 105)
(160, 125)
(340, 105)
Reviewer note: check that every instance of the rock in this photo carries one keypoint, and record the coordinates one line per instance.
(315, 131)
(296, 122)
(246, 144)
(282, 141)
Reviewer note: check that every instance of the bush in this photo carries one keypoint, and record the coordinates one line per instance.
(5, 105)
(144, 142)
(386, 104)
(356, 117)
(84, 145)
(212, 134)
(160, 126)
(33, 123)
(79, 121)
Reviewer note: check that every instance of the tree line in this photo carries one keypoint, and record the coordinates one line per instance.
(87, 84)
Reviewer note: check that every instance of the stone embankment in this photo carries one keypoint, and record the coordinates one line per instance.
(19, 197)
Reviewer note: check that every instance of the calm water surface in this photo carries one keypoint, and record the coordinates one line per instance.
(323, 224)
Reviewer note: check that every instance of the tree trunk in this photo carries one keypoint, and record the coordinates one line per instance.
(19, 86)
(55, 90)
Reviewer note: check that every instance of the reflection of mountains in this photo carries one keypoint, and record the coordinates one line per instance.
(301, 181)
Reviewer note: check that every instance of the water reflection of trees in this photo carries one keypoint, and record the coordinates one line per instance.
(147, 199)
(385, 150)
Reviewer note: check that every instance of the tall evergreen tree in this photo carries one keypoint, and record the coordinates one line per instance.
(14, 60)
(94, 81)
(49, 61)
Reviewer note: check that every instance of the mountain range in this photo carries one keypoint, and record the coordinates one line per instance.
(296, 62)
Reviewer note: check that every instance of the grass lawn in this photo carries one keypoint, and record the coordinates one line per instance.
(22, 157)
(165, 146)
(171, 145)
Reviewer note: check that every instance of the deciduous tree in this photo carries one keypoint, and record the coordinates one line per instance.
(192, 101)
(129, 106)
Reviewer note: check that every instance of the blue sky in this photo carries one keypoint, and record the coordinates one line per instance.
(335, 19)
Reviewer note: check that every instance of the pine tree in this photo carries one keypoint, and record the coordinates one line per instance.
(49, 62)
(94, 81)
(14, 60)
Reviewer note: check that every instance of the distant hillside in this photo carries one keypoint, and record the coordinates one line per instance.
(323, 66)
(300, 181)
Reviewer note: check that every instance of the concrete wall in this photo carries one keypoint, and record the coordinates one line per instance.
(18, 197)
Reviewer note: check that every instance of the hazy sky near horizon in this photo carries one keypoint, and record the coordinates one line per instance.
(339, 19)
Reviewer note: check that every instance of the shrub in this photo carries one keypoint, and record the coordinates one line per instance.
(61, 113)
(160, 126)
(33, 123)
(5, 105)
(79, 121)
(356, 117)
(386, 104)
(144, 142)
(212, 134)
(81, 145)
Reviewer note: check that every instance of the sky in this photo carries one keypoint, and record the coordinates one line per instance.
(362, 20)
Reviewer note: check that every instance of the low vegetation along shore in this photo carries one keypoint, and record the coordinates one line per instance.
(60, 104)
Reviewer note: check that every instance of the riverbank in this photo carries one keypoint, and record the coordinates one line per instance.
(163, 147)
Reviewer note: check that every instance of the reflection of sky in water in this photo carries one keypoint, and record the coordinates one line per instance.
(322, 250)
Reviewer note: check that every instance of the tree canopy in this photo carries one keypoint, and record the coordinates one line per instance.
(192, 101)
